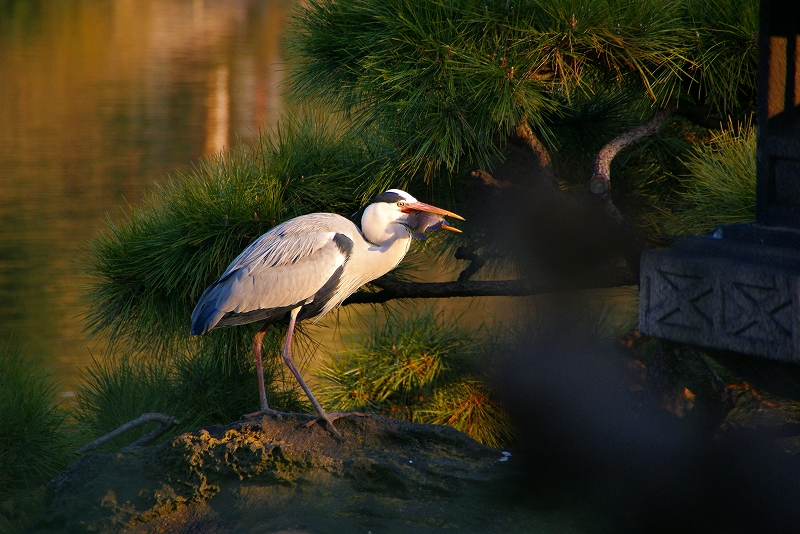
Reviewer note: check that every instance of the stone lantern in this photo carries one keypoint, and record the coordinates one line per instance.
(738, 288)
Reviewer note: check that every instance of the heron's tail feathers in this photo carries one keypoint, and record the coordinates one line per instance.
(206, 314)
(204, 318)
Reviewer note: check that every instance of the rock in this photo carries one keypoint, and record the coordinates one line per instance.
(270, 476)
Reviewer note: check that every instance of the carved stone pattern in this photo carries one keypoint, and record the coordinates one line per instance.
(721, 304)
(689, 304)
(758, 312)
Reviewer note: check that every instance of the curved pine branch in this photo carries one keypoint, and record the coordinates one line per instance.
(600, 182)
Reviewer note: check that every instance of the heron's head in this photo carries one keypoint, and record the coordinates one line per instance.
(393, 214)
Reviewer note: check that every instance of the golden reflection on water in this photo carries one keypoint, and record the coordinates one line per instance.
(98, 100)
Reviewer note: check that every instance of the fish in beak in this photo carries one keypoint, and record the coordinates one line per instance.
(430, 218)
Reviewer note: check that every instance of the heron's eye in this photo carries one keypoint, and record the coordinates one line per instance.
(401, 204)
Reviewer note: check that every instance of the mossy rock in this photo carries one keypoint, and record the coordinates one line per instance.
(269, 475)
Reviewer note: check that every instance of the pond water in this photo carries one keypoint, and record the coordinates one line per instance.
(99, 100)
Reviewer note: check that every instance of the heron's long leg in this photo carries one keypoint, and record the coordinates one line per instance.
(262, 391)
(289, 359)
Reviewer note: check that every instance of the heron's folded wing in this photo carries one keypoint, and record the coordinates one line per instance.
(270, 274)
(291, 241)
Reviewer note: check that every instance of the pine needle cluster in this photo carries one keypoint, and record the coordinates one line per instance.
(198, 389)
(720, 186)
(36, 436)
(725, 55)
(451, 80)
(29, 416)
(422, 367)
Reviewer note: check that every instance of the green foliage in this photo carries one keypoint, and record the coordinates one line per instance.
(725, 55)
(720, 187)
(33, 440)
(198, 388)
(113, 393)
(450, 80)
(468, 406)
(36, 439)
(423, 368)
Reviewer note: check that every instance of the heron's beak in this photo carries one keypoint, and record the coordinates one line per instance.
(421, 206)
(451, 228)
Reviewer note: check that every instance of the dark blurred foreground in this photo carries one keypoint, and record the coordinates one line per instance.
(589, 424)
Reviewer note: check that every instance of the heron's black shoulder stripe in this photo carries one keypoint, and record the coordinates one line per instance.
(322, 296)
(388, 196)
(344, 244)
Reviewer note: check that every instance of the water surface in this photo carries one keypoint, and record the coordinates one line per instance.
(99, 100)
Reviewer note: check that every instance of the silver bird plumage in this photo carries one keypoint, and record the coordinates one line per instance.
(307, 266)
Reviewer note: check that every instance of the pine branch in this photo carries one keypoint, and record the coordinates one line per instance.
(543, 162)
(391, 288)
(475, 262)
(600, 182)
(166, 421)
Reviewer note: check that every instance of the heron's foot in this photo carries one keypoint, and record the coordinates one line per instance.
(326, 418)
(262, 412)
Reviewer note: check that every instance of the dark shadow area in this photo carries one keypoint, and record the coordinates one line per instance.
(587, 425)
(551, 233)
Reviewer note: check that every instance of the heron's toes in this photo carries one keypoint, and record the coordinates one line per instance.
(328, 419)
(262, 412)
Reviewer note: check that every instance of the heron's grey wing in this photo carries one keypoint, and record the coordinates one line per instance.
(274, 274)
(292, 240)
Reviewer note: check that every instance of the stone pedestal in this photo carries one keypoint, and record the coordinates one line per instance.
(739, 288)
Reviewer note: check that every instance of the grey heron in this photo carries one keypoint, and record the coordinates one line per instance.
(306, 267)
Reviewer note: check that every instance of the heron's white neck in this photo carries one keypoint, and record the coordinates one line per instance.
(388, 239)
(389, 236)
(380, 227)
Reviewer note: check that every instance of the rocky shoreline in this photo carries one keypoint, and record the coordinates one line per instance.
(268, 475)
